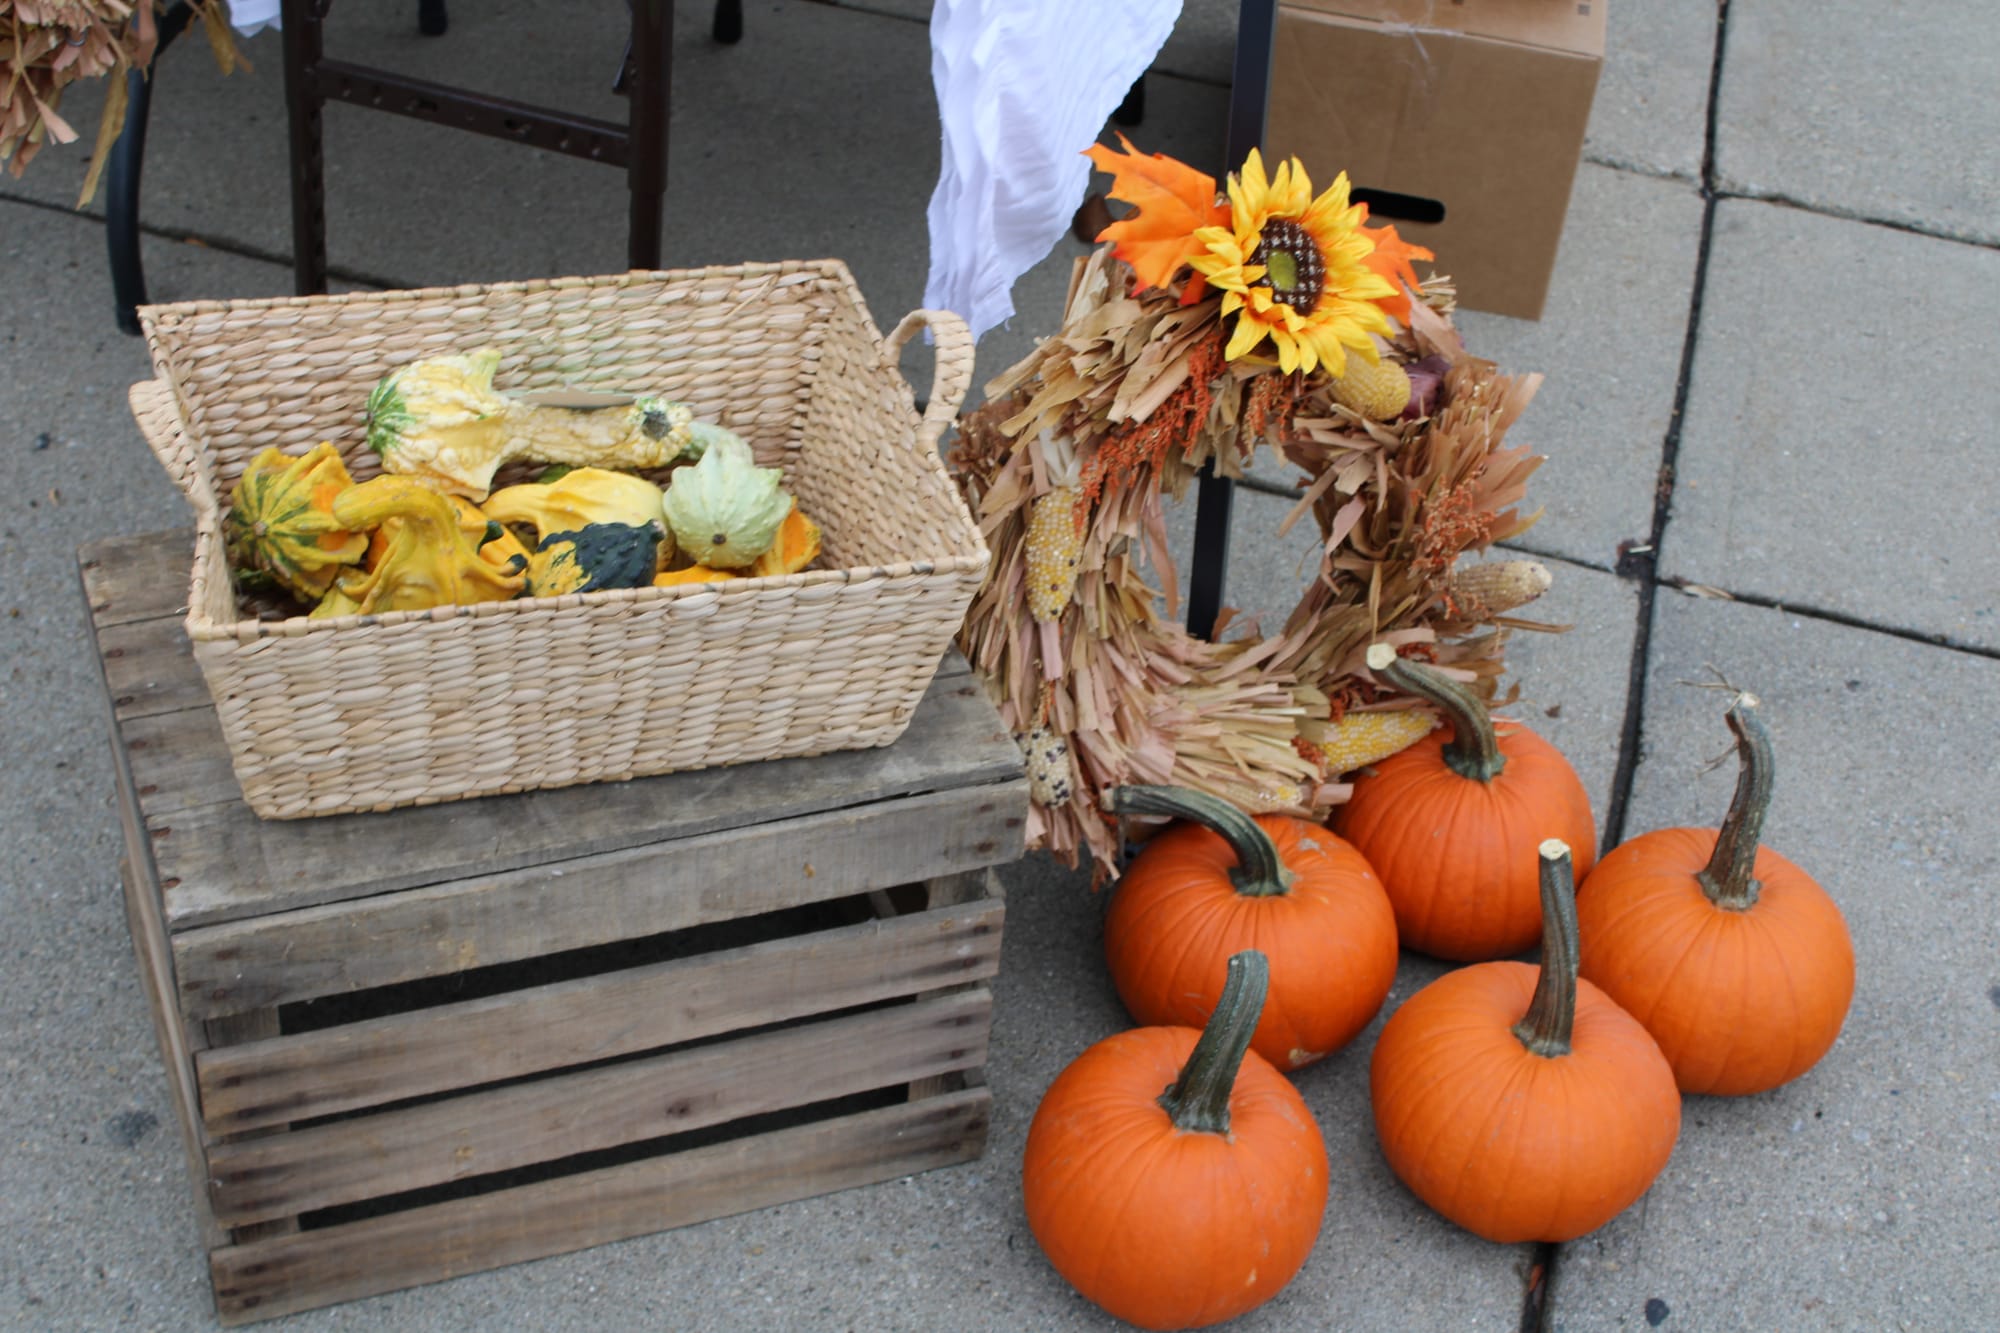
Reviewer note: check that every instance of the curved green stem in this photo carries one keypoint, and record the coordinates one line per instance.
(1198, 1101)
(1727, 879)
(1474, 751)
(1545, 1028)
(1259, 872)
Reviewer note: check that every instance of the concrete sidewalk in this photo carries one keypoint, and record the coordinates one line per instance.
(1770, 383)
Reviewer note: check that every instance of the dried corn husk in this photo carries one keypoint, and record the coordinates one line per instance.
(47, 45)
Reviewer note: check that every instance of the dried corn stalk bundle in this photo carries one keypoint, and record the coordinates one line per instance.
(1115, 414)
(46, 45)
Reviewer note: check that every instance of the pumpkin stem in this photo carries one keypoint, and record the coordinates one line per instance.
(1727, 879)
(1474, 750)
(1545, 1028)
(1259, 872)
(1198, 1101)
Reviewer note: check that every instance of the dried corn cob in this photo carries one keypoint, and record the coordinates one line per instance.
(1483, 591)
(1053, 543)
(1379, 392)
(1360, 739)
(1048, 766)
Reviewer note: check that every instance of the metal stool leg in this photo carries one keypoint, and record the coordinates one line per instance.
(304, 46)
(431, 18)
(1133, 109)
(121, 182)
(728, 27)
(646, 169)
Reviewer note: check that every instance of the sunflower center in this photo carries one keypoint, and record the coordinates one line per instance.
(1293, 267)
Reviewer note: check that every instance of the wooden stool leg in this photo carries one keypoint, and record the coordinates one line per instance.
(304, 47)
(646, 169)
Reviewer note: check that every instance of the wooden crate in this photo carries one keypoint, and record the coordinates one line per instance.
(412, 1045)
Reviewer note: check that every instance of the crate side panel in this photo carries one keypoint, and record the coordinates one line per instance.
(366, 1258)
(336, 949)
(482, 1133)
(648, 1008)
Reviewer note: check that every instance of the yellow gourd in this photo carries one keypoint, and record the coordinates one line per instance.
(280, 522)
(420, 554)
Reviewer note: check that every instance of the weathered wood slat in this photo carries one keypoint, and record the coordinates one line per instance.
(967, 886)
(289, 956)
(365, 1258)
(310, 1074)
(137, 578)
(149, 668)
(223, 863)
(233, 1030)
(482, 1133)
(179, 762)
(156, 979)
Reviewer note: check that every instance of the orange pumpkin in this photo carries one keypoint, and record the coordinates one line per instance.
(1173, 1176)
(1736, 961)
(1524, 1104)
(1452, 822)
(1206, 889)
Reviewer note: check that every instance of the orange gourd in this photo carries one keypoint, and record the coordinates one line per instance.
(795, 547)
(1452, 822)
(1173, 1176)
(1524, 1104)
(1736, 961)
(1203, 890)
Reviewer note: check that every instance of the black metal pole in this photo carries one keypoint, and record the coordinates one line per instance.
(121, 179)
(646, 168)
(304, 47)
(1249, 96)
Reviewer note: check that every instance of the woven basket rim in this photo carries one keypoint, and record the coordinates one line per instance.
(835, 270)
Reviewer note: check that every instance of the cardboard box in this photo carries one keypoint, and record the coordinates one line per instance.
(1472, 110)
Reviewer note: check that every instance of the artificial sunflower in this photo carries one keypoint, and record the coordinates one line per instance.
(1295, 269)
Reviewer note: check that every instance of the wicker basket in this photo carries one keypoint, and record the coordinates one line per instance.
(407, 708)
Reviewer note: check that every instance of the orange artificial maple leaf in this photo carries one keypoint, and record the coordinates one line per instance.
(1173, 202)
(1391, 258)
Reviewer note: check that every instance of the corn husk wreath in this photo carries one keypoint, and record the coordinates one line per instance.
(1152, 374)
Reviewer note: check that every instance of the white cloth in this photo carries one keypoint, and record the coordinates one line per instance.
(250, 17)
(1023, 87)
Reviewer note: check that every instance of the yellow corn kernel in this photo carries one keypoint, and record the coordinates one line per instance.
(1379, 392)
(1360, 739)
(1053, 544)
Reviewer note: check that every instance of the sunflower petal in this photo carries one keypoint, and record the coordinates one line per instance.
(1247, 335)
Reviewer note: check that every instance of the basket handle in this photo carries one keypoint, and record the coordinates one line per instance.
(953, 375)
(160, 422)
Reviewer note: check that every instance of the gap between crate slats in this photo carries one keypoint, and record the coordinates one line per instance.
(279, 1276)
(480, 1133)
(338, 1069)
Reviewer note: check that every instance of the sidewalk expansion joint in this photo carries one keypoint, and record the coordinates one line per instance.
(1928, 231)
(1538, 1301)
(219, 244)
(1847, 620)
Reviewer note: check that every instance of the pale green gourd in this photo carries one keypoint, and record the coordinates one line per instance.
(725, 511)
